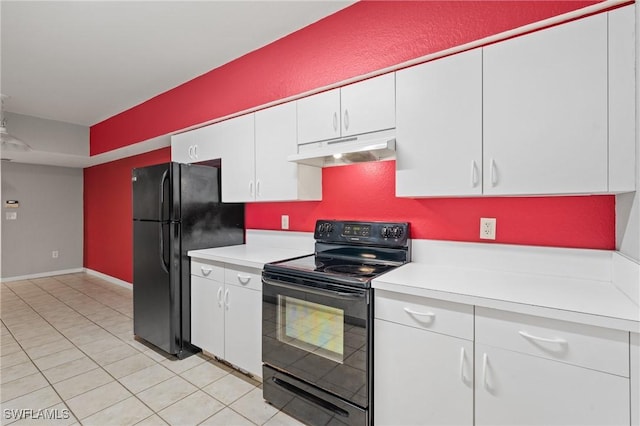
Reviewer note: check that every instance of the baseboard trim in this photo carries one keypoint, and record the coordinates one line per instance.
(109, 278)
(41, 275)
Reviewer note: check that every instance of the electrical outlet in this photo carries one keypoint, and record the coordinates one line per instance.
(487, 228)
(284, 221)
(54, 254)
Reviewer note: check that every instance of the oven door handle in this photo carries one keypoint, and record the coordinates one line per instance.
(307, 289)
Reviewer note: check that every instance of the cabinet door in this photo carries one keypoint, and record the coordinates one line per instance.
(622, 103)
(512, 388)
(236, 140)
(243, 328)
(421, 377)
(276, 178)
(439, 127)
(207, 315)
(182, 148)
(545, 111)
(319, 117)
(368, 106)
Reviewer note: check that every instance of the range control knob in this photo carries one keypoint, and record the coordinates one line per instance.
(325, 227)
(396, 232)
(385, 232)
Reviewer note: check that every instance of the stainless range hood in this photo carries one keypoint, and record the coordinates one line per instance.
(357, 149)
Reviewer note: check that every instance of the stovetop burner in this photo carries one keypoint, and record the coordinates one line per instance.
(356, 270)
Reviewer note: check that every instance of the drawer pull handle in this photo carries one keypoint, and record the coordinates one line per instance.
(205, 271)
(422, 314)
(244, 279)
(557, 340)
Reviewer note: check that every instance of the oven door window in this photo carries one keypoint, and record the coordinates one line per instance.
(312, 327)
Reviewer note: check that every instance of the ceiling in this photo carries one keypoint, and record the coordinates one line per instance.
(82, 62)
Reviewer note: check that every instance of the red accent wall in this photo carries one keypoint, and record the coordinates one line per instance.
(362, 38)
(108, 226)
(365, 37)
(366, 191)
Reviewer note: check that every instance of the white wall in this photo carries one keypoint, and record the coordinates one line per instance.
(50, 217)
(49, 135)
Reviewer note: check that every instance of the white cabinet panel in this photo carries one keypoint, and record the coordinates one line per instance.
(368, 105)
(319, 117)
(435, 315)
(195, 146)
(421, 377)
(362, 107)
(545, 111)
(226, 318)
(513, 388)
(277, 179)
(439, 127)
(622, 103)
(243, 328)
(592, 347)
(236, 139)
(207, 314)
(182, 147)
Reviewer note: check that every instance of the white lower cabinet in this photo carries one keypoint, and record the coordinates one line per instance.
(538, 371)
(514, 388)
(443, 363)
(422, 377)
(226, 316)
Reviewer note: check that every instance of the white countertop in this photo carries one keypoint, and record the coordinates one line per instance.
(587, 301)
(254, 256)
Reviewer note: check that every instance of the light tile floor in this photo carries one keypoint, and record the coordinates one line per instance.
(68, 356)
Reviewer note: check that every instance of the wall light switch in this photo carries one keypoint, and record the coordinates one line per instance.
(285, 221)
(11, 215)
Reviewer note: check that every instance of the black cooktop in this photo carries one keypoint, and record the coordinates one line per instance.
(349, 252)
(327, 267)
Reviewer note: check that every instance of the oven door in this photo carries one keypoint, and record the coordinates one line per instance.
(319, 333)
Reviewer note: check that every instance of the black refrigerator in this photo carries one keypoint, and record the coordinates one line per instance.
(176, 208)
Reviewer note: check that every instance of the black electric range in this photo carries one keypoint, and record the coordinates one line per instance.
(318, 321)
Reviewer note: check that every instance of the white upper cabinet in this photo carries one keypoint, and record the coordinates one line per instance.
(368, 106)
(545, 111)
(277, 179)
(622, 103)
(439, 127)
(358, 108)
(319, 117)
(236, 139)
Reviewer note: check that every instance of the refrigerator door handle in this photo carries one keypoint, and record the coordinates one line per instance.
(165, 176)
(165, 265)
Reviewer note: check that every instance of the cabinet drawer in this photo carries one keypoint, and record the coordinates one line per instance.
(429, 314)
(210, 270)
(583, 345)
(243, 276)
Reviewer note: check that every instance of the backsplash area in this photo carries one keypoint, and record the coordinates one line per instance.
(366, 191)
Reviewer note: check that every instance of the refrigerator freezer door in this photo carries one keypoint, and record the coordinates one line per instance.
(155, 196)
(156, 289)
